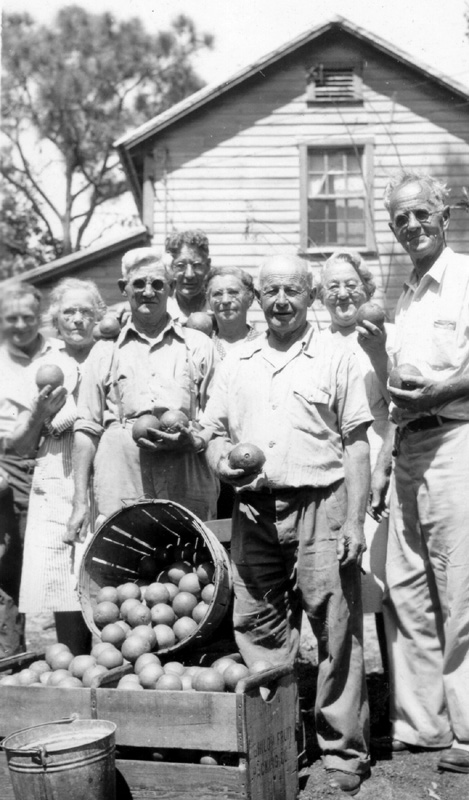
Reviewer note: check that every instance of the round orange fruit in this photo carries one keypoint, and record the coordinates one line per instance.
(135, 646)
(128, 590)
(190, 583)
(156, 593)
(143, 424)
(165, 637)
(149, 675)
(247, 457)
(138, 615)
(371, 312)
(105, 613)
(184, 604)
(208, 680)
(233, 674)
(169, 682)
(162, 614)
(49, 375)
(173, 420)
(113, 634)
(108, 593)
(184, 627)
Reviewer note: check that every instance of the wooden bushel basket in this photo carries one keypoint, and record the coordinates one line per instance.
(114, 554)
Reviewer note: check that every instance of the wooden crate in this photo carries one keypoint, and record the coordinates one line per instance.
(256, 737)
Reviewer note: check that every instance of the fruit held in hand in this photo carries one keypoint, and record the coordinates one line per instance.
(371, 312)
(109, 327)
(49, 375)
(200, 321)
(142, 424)
(395, 376)
(173, 420)
(248, 457)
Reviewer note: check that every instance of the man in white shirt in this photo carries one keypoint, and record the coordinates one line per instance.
(427, 600)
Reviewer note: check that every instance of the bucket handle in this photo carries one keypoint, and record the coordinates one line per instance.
(40, 752)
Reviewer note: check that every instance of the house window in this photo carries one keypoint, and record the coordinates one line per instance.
(334, 84)
(336, 203)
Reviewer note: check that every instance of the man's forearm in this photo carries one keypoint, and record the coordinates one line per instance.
(84, 451)
(357, 474)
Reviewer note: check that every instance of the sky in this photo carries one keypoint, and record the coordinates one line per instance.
(433, 31)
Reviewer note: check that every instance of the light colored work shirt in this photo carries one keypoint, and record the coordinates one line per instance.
(432, 329)
(298, 411)
(152, 376)
(17, 382)
(178, 314)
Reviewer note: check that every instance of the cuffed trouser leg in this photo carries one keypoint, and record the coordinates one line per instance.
(267, 618)
(427, 597)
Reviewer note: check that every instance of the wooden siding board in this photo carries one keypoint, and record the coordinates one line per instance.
(234, 170)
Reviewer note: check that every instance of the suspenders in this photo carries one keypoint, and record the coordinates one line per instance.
(193, 385)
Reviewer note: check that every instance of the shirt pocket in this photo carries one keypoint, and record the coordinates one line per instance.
(444, 351)
(310, 408)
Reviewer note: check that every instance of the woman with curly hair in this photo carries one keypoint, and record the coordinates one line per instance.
(47, 580)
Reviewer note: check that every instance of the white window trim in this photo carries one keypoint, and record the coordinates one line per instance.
(361, 141)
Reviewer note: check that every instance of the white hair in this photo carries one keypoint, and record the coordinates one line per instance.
(144, 257)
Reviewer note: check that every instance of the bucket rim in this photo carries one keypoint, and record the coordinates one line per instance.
(104, 727)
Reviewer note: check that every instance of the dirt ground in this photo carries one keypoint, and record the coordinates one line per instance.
(398, 777)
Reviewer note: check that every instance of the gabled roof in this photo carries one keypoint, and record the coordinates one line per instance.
(126, 144)
(63, 266)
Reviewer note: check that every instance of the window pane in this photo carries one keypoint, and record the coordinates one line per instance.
(353, 160)
(316, 162)
(316, 185)
(355, 208)
(316, 234)
(356, 233)
(336, 160)
(336, 198)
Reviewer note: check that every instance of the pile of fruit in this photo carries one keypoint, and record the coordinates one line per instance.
(60, 668)
(137, 619)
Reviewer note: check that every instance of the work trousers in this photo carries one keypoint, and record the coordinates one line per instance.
(284, 551)
(14, 502)
(426, 602)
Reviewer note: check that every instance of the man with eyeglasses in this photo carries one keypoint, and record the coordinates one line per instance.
(191, 263)
(154, 365)
(297, 527)
(427, 566)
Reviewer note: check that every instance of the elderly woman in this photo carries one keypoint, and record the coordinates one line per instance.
(230, 292)
(47, 580)
(345, 284)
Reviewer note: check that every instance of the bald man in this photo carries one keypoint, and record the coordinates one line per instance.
(297, 536)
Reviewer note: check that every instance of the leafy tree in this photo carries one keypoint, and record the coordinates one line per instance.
(24, 243)
(69, 91)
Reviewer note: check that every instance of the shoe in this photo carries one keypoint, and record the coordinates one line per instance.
(348, 782)
(455, 760)
(390, 744)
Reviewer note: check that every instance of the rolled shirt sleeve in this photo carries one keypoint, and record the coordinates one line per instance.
(298, 414)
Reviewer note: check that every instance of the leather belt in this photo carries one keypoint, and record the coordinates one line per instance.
(426, 423)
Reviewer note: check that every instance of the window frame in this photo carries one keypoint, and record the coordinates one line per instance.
(365, 143)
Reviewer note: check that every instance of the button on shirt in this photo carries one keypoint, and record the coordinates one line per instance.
(298, 412)
(152, 375)
(432, 329)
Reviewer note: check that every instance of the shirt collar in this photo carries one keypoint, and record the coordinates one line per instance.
(258, 343)
(130, 331)
(44, 347)
(435, 272)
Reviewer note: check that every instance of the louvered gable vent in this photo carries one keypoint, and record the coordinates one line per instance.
(333, 84)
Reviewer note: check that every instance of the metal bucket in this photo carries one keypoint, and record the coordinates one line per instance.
(69, 759)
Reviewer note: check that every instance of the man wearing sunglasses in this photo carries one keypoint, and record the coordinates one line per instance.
(154, 365)
(427, 565)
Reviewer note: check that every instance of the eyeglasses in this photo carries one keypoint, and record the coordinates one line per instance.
(139, 284)
(350, 288)
(69, 313)
(198, 266)
(422, 215)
